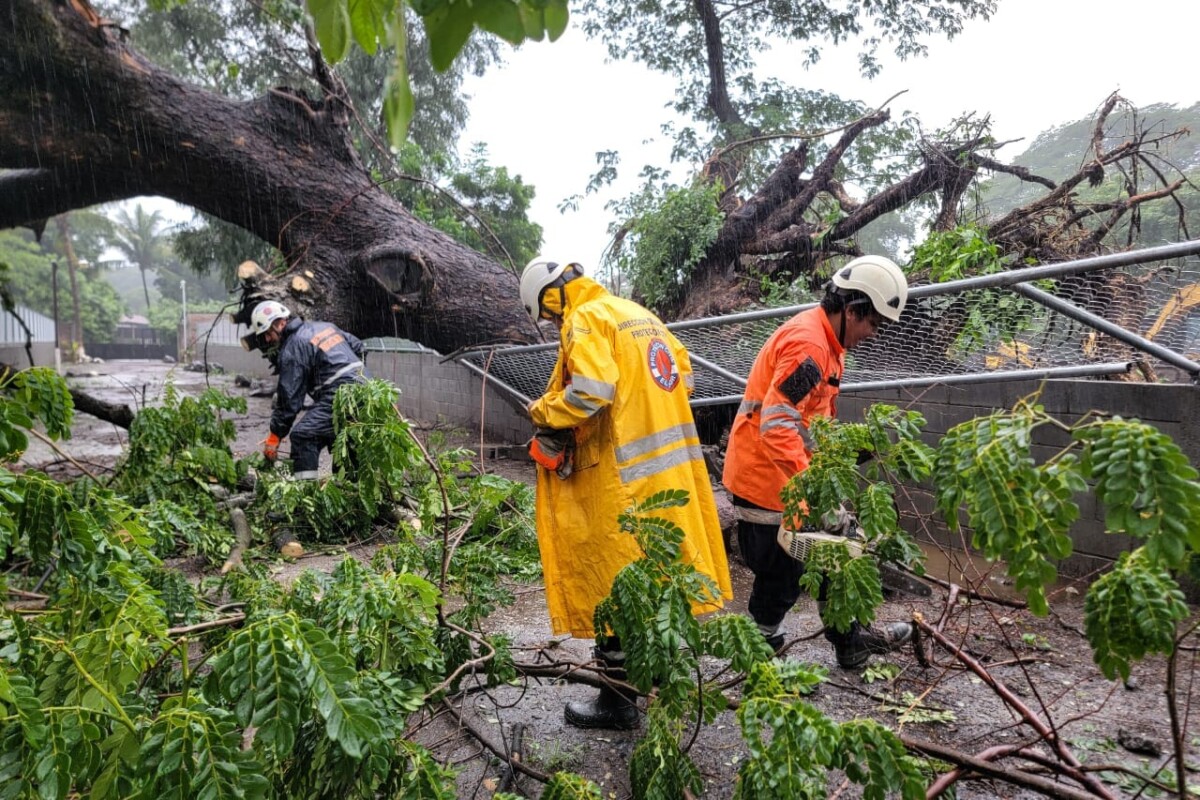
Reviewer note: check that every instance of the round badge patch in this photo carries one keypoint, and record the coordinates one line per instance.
(662, 365)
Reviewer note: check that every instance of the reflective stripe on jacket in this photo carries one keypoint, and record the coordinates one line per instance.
(314, 359)
(794, 378)
(622, 382)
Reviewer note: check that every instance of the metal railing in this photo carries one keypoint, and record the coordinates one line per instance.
(1092, 324)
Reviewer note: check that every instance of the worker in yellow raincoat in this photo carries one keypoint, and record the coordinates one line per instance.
(621, 386)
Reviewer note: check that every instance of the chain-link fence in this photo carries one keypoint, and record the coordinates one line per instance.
(1095, 317)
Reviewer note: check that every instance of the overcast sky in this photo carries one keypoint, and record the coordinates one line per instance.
(1035, 64)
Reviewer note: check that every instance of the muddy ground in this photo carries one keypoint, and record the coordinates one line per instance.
(1046, 662)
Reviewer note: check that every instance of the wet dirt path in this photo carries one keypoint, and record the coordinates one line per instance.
(1046, 661)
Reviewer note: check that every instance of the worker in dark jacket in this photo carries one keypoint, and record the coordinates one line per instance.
(314, 358)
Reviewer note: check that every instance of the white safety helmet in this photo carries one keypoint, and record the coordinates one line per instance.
(879, 279)
(266, 313)
(538, 274)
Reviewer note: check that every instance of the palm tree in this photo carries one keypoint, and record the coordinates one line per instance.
(141, 238)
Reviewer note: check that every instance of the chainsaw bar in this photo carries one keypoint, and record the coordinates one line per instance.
(895, 578)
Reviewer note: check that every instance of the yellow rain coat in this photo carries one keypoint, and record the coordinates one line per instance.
(622, 382)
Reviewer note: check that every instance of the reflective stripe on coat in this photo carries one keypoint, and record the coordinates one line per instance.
(622, 381)
(795, 377)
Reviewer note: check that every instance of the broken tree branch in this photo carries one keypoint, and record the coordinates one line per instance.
(1070, 763)
(969, 763)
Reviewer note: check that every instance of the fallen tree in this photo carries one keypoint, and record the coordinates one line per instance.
(786, 231)
(85, 119)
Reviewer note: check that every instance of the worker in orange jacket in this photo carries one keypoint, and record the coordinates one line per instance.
(614, 427)
(795, 378)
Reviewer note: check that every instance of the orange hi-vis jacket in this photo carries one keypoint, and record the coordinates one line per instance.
(621, 383)
(795, 377)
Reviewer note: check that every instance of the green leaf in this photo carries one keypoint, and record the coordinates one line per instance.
(501, 17)
(447, 30)
(398, 104)
(41, 393)
(875, 758)
(351, 721)
(1147, 485)
(736, 638)
(369, 22)
(533, 19)
(1131, 611)
(331, 22)
(556, 16)
(567, 786)
(658, 766)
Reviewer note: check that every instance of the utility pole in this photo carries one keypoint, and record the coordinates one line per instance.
(54, 291)
(77, 319)
(183, 322)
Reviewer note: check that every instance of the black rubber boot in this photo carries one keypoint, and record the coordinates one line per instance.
(611, 709)
(865, 641)
(776, 641)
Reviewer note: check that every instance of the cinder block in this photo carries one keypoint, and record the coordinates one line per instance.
(1084, 567)
(1095, 542)
(1052, 436)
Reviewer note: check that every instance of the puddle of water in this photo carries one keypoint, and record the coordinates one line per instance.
(969, 570)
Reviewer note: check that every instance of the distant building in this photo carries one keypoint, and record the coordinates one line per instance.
(135, 329)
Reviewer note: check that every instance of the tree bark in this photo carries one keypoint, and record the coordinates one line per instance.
(116, 413)
(86, 119)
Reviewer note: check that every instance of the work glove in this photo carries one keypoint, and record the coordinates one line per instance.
(271, 448)
(554, 449)
(841, 521)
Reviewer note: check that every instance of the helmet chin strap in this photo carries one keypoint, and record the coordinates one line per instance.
(845, 313)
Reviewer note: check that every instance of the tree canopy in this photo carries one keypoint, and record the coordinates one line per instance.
(801, 178)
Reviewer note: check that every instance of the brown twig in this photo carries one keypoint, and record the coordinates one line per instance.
(466, 665)
(519, 766)
(26, 595)
(585, 674)
(769, 137)
(974, 595)
(975, 764)
(1070, 764)
(516, 754)
(446, 548)
(65, 455)
(183, 630)
(1177, 726)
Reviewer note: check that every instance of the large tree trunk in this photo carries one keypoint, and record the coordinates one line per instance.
(85, 119)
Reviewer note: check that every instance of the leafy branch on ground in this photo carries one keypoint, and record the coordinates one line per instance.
(110, 689)
(306, 693)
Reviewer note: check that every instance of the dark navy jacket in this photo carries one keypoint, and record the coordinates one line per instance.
(315, 358)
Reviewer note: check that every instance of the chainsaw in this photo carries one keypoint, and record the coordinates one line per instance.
(841, 527)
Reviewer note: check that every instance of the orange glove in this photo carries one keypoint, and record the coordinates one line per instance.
(271, 447)
(554, 450)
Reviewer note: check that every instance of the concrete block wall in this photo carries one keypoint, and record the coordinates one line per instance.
(1171, 408)
(430, 391)
(236, 361)
(15, 356)
(433, 391)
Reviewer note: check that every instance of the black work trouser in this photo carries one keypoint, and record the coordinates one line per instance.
(776, 576)
(312, 434)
